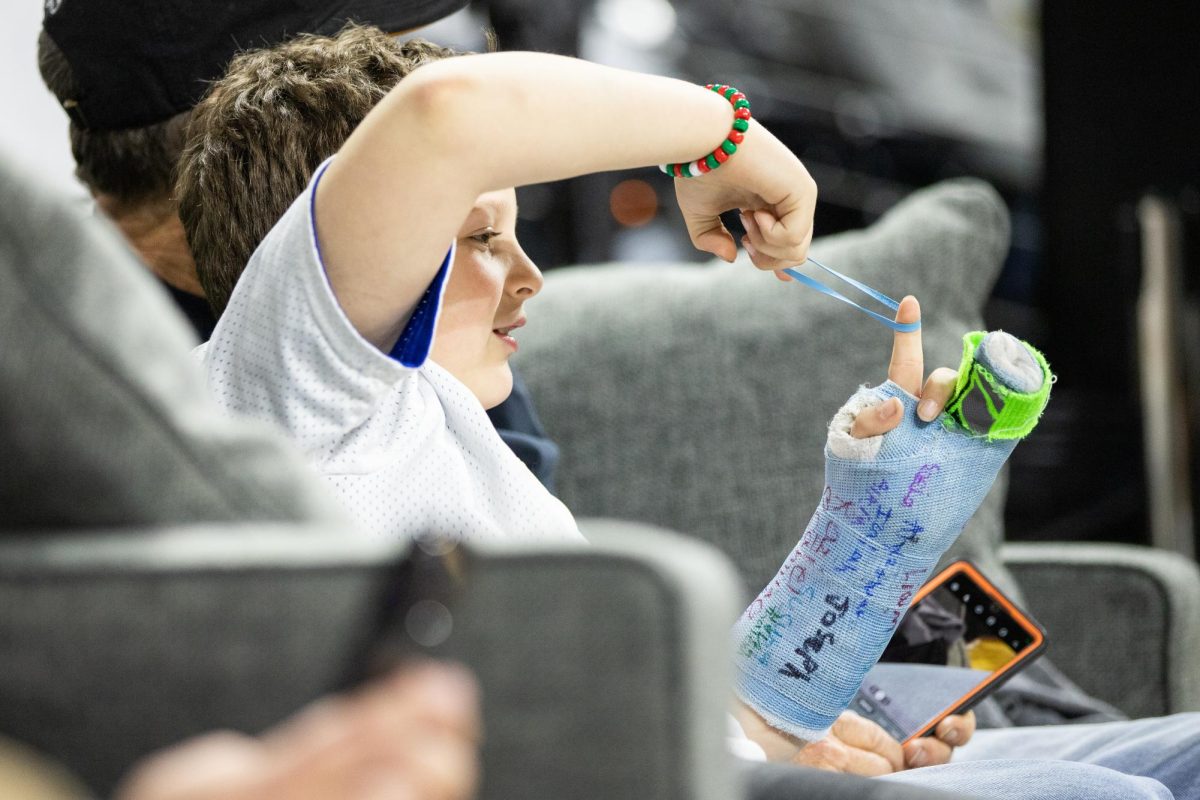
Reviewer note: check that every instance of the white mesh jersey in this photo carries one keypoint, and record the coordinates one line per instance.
(409, 449)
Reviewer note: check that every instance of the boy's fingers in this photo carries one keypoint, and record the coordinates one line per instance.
(710, 236)
(786, 232)
(877, 420)
(791, 219)
(773, 253)
(907, 367)
(936, 393)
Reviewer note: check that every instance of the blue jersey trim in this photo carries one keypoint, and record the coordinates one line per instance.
(412, 348)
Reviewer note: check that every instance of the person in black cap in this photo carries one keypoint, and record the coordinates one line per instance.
(128, 75)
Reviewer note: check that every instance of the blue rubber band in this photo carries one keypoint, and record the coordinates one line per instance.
(813, 283)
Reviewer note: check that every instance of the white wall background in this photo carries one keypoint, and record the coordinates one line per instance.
(33, 129)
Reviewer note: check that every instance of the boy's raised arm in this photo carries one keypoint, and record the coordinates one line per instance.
(391, 203)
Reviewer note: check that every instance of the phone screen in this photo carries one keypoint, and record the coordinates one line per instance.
(954, 645)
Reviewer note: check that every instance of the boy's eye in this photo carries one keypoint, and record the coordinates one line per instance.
(485, 237)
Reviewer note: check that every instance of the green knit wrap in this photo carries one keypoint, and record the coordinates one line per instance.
(1014, 414)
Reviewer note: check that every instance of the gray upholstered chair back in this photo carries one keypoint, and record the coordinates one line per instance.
(696, 397)
(603, 670)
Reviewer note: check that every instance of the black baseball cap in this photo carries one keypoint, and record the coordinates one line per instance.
(138, 62)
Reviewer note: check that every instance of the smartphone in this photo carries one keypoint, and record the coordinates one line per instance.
(960, 640)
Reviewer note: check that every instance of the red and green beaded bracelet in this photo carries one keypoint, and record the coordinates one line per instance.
(741, 121)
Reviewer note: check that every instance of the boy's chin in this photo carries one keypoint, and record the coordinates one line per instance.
(498, 387)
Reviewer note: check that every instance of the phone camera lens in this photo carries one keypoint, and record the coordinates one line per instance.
(979, 609)
(966, 598)
(1016, 645)
(990, 621)
(954, 586)
(1002, 632)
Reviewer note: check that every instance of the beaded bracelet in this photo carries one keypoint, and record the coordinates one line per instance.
(741, 121)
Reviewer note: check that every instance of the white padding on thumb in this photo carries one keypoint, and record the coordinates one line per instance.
(841, 443)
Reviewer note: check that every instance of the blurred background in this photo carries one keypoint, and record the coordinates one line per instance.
(1082, 114)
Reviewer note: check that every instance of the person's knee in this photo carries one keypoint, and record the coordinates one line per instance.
(1022, 779)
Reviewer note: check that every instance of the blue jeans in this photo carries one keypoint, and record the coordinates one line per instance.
(1146, 758)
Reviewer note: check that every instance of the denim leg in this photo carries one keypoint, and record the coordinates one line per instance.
(1166, 749)
(1032, 779)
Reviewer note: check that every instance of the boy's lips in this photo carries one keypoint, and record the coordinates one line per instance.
(504, 330)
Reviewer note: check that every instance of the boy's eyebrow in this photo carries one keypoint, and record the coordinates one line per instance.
(482, 213)
(496, 208)
(498, 212)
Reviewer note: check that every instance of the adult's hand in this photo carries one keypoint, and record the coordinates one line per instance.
(859, 746)
(854, 745)
(930, 751)
(410, 736)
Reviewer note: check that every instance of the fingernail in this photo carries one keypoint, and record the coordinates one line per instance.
(887, 411)
(927, 410)
(917, 759)
(750, 249)
(951, 736)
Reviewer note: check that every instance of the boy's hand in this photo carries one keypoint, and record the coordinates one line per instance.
(769, 184)
(906, 369)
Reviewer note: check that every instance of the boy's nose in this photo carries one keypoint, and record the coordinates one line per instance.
(524, 279)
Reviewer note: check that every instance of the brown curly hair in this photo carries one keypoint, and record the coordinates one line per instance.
(261, 131)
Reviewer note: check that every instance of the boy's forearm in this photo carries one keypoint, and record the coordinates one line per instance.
(517, 118)
(406, 179)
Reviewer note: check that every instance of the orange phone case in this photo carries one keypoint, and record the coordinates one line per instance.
(1035, 631)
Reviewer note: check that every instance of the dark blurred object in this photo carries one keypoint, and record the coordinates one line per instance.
(879, 98)
(941, 87)
(1121, 122)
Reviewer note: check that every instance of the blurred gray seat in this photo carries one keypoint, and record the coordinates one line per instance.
(166, 571)
(603, 673)
(696, 398)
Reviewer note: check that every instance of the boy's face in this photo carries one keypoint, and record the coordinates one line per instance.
(484, 300)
